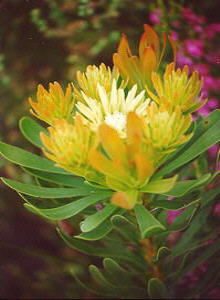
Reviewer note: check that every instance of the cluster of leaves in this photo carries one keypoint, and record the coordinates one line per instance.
(72, 29)
(116, 234)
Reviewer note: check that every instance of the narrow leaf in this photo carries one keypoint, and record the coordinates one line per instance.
(70, 209)
(182, 187)
(95, 220)
(172, 204)
(31, 131)
(98, 233)
(148, 224)
(45, 192)
(159, 186)
(67, 180)
(29, 160)
(156, 289)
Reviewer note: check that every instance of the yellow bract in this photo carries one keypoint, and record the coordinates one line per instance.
(177, 89)
(68, 145)
(53, 104)
(88, 81)
(138, 70)
(166, 129)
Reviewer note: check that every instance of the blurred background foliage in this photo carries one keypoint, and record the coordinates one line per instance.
(47, 40)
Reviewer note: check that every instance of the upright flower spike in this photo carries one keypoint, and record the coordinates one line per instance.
(89, 80)
(138, 70)
(68, 145)
(112, 106)
(53, 104)
(177, 89)
(165, 128)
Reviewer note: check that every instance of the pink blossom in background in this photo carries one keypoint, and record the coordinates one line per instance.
(211, 83)
(213, 151)
(183, 60)
(204, 111)
(174, 35)
(194, 47)
(172, 214)
(213, 103)
(202, 68)
(216, 210)
(211, 30)
(155, 16)
(190, 16)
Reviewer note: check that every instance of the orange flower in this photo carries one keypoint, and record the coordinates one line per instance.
(138, 70)
(53, 104)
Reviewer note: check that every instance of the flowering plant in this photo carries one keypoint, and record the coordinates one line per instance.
(117, 144)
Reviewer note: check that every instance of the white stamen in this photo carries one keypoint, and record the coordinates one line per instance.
(116, 120)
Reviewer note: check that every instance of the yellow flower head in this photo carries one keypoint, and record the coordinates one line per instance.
(177, 89)
(68, 145)
(166, 129)
(112, 106)
(53, 104)
(89, 80)
(138, 70)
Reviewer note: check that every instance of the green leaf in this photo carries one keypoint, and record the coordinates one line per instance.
(116, 274)
(183, 220)
(98, 233)
(159, 186)
(172, 204)
(195, 226)
(31, 131)
(70, 209)
(121, 253)
(206, 135)
(182, 187)
(203, 256)
(156, 289)
(99, 278)
(126, 229)
(95, 220)
(162, 253)
(209, 196)
(29, 160)
(148, 224)
(67, 180)
(45, 192)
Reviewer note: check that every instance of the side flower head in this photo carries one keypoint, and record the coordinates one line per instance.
(89, 80)
(138, 70)
(177, 88)
(68, 145)
(53, 104)
(166, 128)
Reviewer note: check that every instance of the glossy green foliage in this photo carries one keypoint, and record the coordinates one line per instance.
(206, 134)
(115, 234)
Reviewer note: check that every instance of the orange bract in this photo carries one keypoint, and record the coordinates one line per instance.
(138, 70)
(53, 104)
